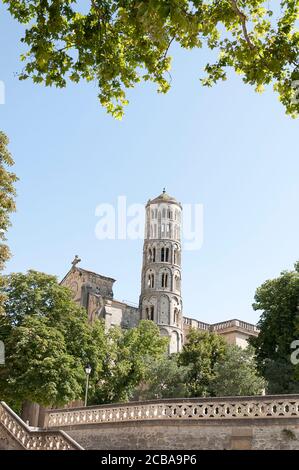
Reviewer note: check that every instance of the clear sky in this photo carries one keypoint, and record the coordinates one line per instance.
(227, 148)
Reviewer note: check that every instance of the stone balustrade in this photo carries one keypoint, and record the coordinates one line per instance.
(197, 324)
(228, 408)
(233, 324)
(30, 439)
(222, 326)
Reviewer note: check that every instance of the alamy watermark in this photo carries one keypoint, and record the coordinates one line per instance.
(2, 92)
(295, 353)
(127, 222)
(2, 353)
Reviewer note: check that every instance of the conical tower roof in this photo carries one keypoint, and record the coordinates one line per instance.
(164, 197)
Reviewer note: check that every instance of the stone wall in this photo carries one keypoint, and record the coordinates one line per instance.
(259, 422)
(258, 434)
(237, 338)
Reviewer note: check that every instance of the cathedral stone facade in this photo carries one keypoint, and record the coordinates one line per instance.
(160, 299)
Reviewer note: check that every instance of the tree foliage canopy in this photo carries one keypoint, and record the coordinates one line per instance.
(201, 353)
(128, 359)
(278, 299)
(48, 342)
(39, 368)
(207, 366)
(117, 43)
(7, 203)
(236, 374)
(164, 379)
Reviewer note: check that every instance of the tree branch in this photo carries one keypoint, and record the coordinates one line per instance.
(168, 47)
(243, 19)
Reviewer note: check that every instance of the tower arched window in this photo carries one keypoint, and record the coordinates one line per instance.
(165, 255)
(149, 313)
(176, 316)
(151, 257)
(151, 281)
(164, 280)
(175, 256)
(164, 213)
(152, 310)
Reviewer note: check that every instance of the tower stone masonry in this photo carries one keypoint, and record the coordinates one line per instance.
(160, 299)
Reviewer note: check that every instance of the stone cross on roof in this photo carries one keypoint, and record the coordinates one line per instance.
(76, 260)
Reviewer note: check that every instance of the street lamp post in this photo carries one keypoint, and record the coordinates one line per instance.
(88, 372)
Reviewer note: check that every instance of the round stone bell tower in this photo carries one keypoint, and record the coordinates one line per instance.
(160, 299)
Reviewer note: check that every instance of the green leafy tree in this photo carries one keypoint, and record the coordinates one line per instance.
(48, 342)
(118, 43)
(202, 351)
(164, 379)
(7, 205)
(39, 367)
(236, 374)
(282, 376)
(278, 300)
(127, 361)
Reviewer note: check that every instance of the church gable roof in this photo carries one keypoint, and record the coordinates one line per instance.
(86, 271)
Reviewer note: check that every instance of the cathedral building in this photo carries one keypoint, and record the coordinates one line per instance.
(160, 296)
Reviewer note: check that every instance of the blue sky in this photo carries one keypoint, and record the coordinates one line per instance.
(227, 148)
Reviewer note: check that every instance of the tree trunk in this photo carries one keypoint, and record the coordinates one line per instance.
(30, 413)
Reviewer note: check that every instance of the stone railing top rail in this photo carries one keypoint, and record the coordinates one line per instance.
(234, 323)
(200, 324)
(274, 406)
(31, 439)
